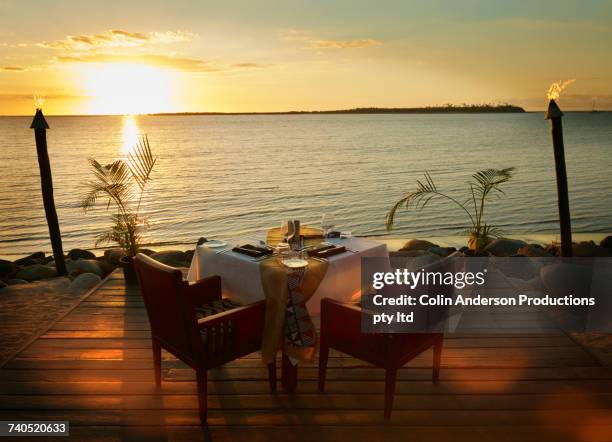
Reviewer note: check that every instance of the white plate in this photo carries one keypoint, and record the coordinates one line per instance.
(215, 243)
(295, 263)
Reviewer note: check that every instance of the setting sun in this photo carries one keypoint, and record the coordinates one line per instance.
(126, 88)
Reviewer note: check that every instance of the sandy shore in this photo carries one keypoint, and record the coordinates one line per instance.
(26, 310)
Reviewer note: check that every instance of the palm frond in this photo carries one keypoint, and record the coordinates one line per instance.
(490, 179)
(419, 199)
(141, 162)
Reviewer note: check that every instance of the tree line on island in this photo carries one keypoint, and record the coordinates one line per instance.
(444, 109)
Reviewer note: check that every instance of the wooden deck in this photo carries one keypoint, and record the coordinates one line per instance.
(94, 369)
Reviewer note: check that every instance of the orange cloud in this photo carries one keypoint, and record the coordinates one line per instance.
(179, 63)
(344, 44)
(115, 38)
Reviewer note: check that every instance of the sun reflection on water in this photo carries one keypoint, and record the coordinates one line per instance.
(130, 133)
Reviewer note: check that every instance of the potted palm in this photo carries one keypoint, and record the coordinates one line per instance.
(484, 184)
(121, 185)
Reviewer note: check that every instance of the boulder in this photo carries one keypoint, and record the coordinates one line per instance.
(75, 254)
(84, 282)
(562, 279)
(7, 267)
(15, 281)
(174, 258)
(504, 246)
(416, 259)
(34, 258)
(84, 266)
(606, 243)
(533, 251)
(443, 251)
(35, 272)
(114, 255)
(106, 266)
(588, 249)
(418, 244)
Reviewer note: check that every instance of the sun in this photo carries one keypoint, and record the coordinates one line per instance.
(126, 88)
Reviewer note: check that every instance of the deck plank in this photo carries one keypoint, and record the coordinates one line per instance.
(94, 368)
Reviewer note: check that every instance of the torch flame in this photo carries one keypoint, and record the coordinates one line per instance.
(39, 100)
(555, 89)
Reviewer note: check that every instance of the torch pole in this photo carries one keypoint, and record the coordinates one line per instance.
(554, 114)
(40, 126)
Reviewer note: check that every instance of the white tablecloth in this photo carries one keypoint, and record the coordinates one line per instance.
(242, 281)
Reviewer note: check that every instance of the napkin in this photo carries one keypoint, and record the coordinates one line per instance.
(251, 250)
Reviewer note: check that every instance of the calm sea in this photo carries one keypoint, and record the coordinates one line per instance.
(223, 176)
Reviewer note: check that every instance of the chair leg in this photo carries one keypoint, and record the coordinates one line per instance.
(202, 381)
(157, 360)
(272, 376)
(390, 378)
(437, 359)
(323, 356)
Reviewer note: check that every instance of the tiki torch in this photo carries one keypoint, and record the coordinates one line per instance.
(554, 114)
(40, 126)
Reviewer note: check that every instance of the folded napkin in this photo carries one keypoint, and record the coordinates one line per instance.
(326, 251)
(251, 250)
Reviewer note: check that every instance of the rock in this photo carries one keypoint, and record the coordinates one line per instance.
(106, 267)
(85, 281)
(464, 249)
(34, 258)
(202, 240)
(533, 251)
(418, 244)
(84, 266)
(606, 243)
(15, 281)
(189, 255)
(7, 267)
(174, 258)
(588, 249)
(553, 249)
(504, 246)
(114, 255)
(416, 259)
(443, 251)
(562, 279)
(35, 272)
(75, 254)
(3, 284)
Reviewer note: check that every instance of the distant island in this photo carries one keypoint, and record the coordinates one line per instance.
(446, 109)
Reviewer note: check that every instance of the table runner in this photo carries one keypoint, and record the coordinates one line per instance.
(287, 319)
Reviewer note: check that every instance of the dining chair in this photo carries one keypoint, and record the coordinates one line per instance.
(196, 325)
(341, 330)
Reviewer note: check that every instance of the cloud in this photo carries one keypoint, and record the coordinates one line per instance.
(13, 68)
(179, 63)
(30, 97)
(344, 44)
(305, 37)
(116, 38)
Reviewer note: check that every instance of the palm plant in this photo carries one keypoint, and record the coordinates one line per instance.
(484, 184)
(122, 183)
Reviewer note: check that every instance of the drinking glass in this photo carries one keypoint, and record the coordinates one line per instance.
(327, 223)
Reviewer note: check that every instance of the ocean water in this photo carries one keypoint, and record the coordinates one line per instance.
(224, 176)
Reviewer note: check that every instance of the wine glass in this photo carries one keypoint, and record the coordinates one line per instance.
(327, 223)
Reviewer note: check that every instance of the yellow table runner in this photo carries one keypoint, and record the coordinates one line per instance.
(288, 324)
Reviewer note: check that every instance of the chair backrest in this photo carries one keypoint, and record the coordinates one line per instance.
(172, 319)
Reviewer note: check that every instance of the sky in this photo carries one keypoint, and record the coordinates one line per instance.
(121, 57)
